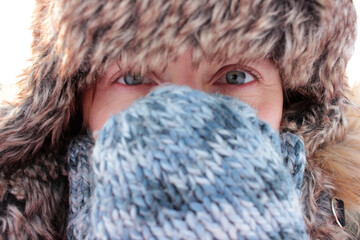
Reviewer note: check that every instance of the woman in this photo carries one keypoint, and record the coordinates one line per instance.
(94, 59)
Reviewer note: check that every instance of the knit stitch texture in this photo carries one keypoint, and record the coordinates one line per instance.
(182, 164)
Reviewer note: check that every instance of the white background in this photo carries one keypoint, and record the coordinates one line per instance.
(15, 38)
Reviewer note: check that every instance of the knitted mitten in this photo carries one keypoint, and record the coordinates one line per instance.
(182, 164)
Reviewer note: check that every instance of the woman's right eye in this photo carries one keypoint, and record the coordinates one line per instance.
(134, 79)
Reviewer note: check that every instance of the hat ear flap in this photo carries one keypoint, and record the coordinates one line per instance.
(341, 160)
(44, 115)
(33, 143)
(313, 71)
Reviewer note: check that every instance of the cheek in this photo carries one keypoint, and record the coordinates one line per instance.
(267, 100)
(270, 105)
(109, 101)
(271, 112)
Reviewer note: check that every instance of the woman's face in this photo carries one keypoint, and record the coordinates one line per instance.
(256, 83)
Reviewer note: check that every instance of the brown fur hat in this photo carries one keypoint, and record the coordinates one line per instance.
(310, 42)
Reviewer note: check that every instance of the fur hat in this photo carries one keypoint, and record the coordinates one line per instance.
(310, 43)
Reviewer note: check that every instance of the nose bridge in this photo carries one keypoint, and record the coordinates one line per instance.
(188, 78)
(183, 72)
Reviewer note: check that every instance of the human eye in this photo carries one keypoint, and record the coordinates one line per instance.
(237, 77)
(131, 79)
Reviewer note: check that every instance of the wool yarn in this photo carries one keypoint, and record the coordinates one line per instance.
(183, 164)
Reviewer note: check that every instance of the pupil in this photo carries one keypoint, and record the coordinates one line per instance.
(132, 79)
(235, 77)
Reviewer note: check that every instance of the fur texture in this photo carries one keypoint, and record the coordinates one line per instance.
(341, 161)
(310, 41)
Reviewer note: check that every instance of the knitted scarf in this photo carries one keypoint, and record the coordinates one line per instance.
(183, 164)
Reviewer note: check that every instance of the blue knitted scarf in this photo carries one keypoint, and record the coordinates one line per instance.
(182, 164)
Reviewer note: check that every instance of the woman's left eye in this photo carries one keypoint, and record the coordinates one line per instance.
(237, 77)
